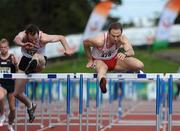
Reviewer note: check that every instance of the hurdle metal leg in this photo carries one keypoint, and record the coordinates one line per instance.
(42, 102)
(87, 105)
(97, 105)
(110, 102)
(157, 103)
(170, 87)
(80, 101)
(49, 101)
(68, 102)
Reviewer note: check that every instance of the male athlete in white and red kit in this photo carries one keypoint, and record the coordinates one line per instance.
(103, 53)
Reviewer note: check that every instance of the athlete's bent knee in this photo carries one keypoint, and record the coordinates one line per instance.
(2, 94)
(140, 65)
(40, 60)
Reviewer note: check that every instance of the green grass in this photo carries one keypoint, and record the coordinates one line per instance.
(151, 62)
(73, 66)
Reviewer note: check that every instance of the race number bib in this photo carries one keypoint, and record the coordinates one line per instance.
(5, 70)
(106, 54)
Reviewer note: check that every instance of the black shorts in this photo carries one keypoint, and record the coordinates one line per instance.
(25, 61)
(8, 88)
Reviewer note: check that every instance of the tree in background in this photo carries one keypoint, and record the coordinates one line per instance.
(54, 16)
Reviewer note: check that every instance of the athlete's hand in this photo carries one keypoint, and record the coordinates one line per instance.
(90, 64)
(14, 60)
(69, 52)
(121, 56)
(28, 45)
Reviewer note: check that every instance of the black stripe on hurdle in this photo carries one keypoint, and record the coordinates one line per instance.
(74, 75)
(52, 76)
(95, 75)
(141, 75)
(7, 76)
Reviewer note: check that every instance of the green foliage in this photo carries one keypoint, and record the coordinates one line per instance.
(159, 44)
(52, 16)
(73, 66)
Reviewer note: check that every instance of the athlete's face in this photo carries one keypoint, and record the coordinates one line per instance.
(33, 38)
(114, 35)
(4, 48)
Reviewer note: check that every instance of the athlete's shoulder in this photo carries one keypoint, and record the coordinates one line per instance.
(99, 38)
(22, 34)
(43, 37)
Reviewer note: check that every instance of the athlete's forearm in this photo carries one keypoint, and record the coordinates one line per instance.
(129, 52)
(18, 41)
(64, 42)
(87, 50)
(127, 46)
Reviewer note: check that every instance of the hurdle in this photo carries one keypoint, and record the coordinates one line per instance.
(171, 77)
(87, 76)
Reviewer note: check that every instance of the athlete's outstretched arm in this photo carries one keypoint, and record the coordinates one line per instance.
(55, 38)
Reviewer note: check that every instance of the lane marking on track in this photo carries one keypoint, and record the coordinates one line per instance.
(42, 129)
(123, 115)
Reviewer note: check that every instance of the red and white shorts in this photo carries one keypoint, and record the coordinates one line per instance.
(110, 63)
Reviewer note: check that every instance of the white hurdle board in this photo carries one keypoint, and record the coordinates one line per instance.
(119, 76)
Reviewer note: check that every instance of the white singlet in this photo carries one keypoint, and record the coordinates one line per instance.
(39, 48)
(105, 53)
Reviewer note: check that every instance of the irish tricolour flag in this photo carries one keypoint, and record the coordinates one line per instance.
(167, 19)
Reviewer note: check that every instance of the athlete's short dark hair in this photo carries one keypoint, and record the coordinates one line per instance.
(32, 29)
(115, 25)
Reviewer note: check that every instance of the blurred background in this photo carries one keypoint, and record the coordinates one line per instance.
(152, 26)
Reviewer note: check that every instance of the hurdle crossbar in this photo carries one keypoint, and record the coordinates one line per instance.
(122, 76)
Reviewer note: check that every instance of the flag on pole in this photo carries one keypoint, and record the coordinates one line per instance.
(97, 19)
(167, 19)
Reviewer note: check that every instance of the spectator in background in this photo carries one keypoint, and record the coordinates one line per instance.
(8, 64)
